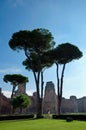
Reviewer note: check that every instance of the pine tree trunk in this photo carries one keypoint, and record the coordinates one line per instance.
(39, 101)
(39, 108)
(60, 88)
(42, 84)
(59, 105)
(13, 91)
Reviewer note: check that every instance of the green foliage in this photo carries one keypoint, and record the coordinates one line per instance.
(14, 102)
(37, 40)
(42, 40)
(15, 78)
(63, 54)
(20, 40)
(20, 101)
(66, 52)
(34, 43)
(45, 61)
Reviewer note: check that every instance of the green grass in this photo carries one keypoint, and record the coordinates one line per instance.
(42, 124)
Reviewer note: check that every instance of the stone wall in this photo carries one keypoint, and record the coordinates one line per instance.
(5, 106)
(21, 89)
(72, 105)
(50, 99)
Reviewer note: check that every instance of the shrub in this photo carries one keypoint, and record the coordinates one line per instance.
(69, 119)
(74, 117)
(14, 117)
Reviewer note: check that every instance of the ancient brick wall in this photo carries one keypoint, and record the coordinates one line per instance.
(5, 106)
(50, 99)
(71, 105)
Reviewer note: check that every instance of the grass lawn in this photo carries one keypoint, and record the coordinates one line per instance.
(42, 124)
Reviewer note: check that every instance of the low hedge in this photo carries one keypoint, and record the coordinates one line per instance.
(74, 117)
(14, 117)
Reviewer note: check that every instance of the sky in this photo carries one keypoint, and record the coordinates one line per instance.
(65, 19)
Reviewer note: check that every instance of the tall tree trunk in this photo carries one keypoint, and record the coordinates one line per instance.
(42, 84)
(39, 102)
(14, 86)
(62, 76)
(60, 87)
(37, 80)
(58, 92)
(59, 105)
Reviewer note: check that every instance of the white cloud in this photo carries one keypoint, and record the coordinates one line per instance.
(7, 93)
(10, 70)
(30, 92)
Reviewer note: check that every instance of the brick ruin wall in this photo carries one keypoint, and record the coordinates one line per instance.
(72, 105)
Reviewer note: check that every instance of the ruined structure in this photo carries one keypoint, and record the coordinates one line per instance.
(69, 105)
(5, 106)
(50, 98)
(72, 105)
(21, 89)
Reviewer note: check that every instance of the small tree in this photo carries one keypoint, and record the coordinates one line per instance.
(63, 54)
(20, 101)
(15, 80)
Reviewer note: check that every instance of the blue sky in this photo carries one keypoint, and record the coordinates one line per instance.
(66, 19)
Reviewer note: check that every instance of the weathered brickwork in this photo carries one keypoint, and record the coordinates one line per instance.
(5, 106)
(72, 105)
(50, 99)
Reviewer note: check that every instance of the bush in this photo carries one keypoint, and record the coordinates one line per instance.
(40, 117)
(74, 117)
(14, 117)
(69, 119)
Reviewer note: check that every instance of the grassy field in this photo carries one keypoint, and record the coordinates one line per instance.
(42, 124)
